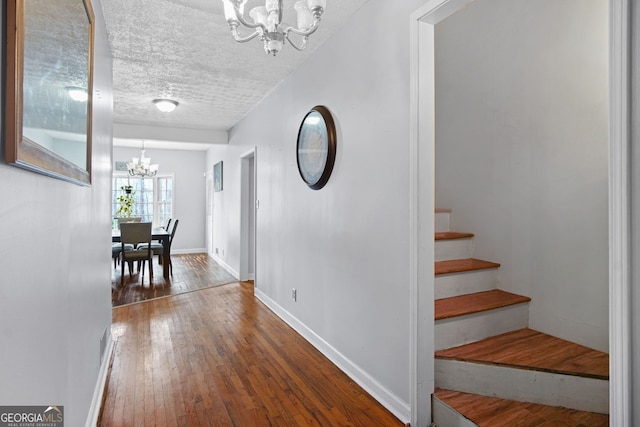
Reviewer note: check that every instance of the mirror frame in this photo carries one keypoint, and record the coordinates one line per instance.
(20, 150)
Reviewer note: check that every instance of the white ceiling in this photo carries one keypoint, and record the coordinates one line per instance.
(182, 50)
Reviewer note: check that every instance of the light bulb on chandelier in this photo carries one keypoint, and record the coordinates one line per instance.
(267, 21)
(142, 166)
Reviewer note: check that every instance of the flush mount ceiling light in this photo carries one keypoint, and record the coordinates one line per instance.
(165, 105)
(267, 22)
(77, 93)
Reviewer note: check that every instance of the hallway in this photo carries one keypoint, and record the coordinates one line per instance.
(219, 357)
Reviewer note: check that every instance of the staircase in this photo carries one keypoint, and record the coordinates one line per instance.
(490, 368)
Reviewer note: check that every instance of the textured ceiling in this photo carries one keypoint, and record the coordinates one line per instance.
(182, 49)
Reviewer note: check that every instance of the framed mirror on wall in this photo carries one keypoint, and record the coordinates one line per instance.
(49, 83)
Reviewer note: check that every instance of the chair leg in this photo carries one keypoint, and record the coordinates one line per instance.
(122, 263)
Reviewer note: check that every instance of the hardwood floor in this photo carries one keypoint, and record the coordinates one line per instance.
(494, 412)
(190, 272)
(461, 265)
(534, 350)
(219, 357)
(475, 303)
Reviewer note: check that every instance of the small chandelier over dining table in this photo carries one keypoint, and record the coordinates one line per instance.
(268, 25)
(142, 166)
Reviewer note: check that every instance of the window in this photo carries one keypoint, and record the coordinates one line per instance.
(153, 197)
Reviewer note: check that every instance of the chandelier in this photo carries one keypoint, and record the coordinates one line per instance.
(268, 25)
(142, 166)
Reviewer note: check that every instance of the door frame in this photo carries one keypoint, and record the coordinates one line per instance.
(248, 226)
(422, 192)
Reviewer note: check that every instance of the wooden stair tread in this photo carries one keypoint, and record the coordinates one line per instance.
(529, 349)
(495, 412)
(452, 235)
(462, 265)
(475, 303)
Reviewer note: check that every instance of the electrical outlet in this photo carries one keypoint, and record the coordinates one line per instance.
(294, 294)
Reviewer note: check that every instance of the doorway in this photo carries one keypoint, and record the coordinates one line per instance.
(209, 213)
(422, 212)
(248, 212)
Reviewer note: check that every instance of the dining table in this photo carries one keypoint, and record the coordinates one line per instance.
(160, 234)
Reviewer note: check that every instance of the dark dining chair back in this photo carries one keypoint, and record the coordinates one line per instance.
(135, 233)
(159, 249)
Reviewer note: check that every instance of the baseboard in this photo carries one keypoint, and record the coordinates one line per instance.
(98, 392)
(389, 400)
(226, 266)
(189, 251)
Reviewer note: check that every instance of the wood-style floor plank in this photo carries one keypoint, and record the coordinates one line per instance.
(474, 303)
(526, 348)
(462, 265)
(219, 357)
(494, 412)
(190, 272)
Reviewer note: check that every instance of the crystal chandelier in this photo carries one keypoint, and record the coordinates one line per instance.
(268, 25)
(142, 166)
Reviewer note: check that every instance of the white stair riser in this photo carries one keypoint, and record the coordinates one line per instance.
(570, 391)
(442, 221)
(474, 327)
(445, 416)
(453, 249)
(451, 285)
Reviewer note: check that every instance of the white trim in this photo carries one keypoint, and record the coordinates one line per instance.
(249, 153)
(188, 251)
(619, 207)
(245, 209)
(98, 392)
(388, 399)
(422, 208)
(226, 266)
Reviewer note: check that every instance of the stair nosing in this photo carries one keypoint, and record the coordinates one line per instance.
(522, 366)
(520, 299)
(468, 413)
(452, 235)
(475, 264)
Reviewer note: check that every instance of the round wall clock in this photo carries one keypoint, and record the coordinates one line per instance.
(316, 150)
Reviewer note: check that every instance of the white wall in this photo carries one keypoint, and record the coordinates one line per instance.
(188, 168)
(55, 269)
(634, 153)
(345, 248)
(521, 151)
(226, 207)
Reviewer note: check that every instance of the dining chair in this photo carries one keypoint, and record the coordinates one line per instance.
(133, 233)
(158, 248)
(166, 227)
(116, 250)
(123, 220)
